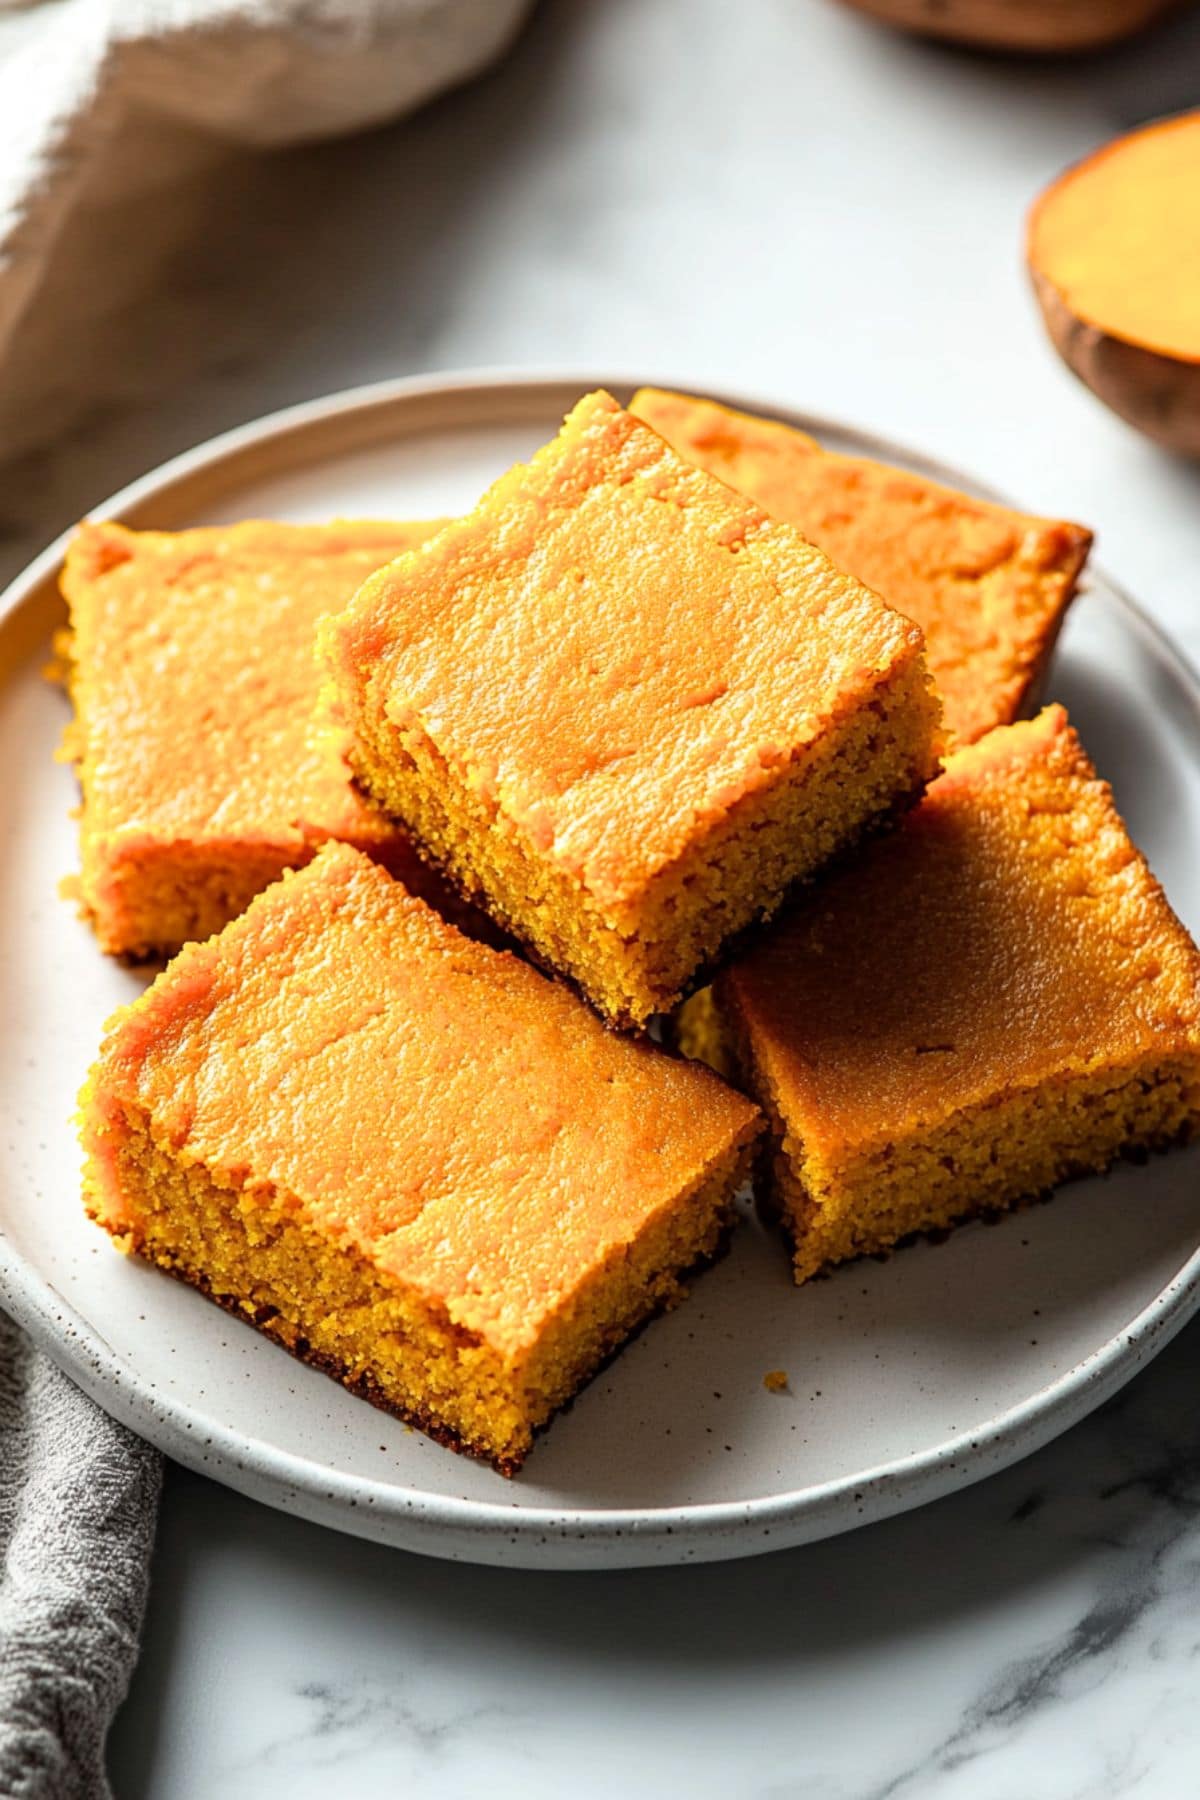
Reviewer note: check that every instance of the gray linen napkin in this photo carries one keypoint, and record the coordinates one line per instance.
(78, 1496)
(101, 99)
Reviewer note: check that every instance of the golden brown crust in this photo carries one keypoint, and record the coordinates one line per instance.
(994, 999)
(736, 947)
(988, 586)
(206, 759)
(629, 770)
(360, 1384)
(407, 1154)
(781, 1214)
(363, 1385)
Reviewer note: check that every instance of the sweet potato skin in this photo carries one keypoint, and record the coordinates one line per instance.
(1113, 283)
(1032, 27)
(1158, 394)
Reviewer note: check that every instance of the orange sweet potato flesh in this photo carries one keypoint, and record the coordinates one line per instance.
(1114, 255)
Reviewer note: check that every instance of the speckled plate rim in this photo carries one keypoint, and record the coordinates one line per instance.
(493, 1532)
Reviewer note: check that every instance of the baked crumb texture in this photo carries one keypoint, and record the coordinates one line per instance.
(626, 711)
(407, 1157)
(206, 759)
(988, 586)
(993, 999)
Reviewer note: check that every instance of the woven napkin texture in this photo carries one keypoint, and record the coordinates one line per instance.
(78, 1496)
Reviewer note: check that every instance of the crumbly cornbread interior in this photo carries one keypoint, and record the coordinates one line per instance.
(395, 1345)
(626, 711)
(634, 962)
(406, 1155)
(1018, 1146)
(987, 585)
(991, 1001)
(207, 761)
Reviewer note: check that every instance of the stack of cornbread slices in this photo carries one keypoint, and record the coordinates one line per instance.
(437, 820)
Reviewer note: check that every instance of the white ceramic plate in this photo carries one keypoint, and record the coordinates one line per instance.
(908, 1378)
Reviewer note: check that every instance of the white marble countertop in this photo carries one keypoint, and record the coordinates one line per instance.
(783, 198)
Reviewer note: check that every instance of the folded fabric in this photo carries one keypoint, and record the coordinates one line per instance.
(77, 77)
(78, 1495)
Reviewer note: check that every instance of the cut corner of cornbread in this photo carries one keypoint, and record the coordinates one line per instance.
(988, 585)
(204, 763)
(627, 712)
(992, 1000)
(406, 1156)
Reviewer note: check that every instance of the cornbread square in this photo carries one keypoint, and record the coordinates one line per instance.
(995, 998)
(626, 711)
(407, 1156)
(989, 587)
(206, 763)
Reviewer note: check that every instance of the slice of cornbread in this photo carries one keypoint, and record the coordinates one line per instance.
(994, 998)
(989, 587)
(407, 1156)
(206, 763)
(626, 711)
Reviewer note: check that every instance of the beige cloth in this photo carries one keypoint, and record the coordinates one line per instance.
(86, 86)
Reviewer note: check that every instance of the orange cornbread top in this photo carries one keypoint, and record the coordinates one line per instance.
(614, 649)
(196, 683)
(464, 1122)
(1008, 934)
(987, 585)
